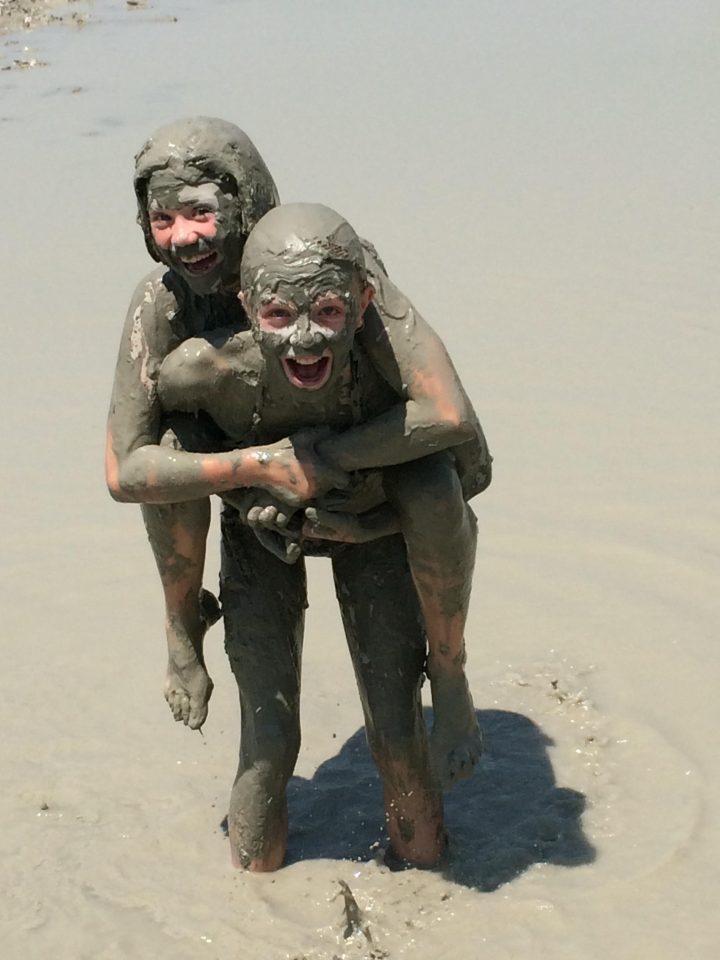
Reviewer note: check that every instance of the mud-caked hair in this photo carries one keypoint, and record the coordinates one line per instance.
(301, 235)
(202, 149)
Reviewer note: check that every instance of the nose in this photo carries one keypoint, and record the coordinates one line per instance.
(305, 336)
(184, 232)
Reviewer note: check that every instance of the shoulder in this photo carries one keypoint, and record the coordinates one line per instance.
(159, 308)
(390, 303)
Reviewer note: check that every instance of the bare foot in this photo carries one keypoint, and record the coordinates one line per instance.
(188, 686)
(455, 741)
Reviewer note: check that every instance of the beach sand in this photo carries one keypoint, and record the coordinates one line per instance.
(542, 180)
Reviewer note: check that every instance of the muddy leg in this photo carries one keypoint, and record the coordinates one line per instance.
(387, 643)
(177, 534)
(264, 608)
(440, 531)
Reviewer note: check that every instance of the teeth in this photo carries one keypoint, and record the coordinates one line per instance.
(307, 361)
(196, 258)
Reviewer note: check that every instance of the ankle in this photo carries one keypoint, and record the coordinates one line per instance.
(439, 665)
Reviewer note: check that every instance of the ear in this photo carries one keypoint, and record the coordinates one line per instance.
(243, 300)
(365, 298)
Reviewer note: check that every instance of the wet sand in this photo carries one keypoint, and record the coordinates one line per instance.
(542, 182)
(22, 16)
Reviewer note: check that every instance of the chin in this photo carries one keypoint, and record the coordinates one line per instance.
(204, 286)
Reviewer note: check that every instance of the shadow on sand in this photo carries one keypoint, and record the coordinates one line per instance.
(508, 816)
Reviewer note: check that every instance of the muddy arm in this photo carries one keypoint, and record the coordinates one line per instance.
(138, 470)
(436, 414)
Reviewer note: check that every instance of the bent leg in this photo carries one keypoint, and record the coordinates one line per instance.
(385, 635)
(264, 604)
(440, 532)
(177, 533)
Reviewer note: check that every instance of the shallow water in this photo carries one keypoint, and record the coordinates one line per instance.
(541, 180)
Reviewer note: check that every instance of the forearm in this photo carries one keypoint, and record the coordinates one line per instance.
(406, 432)
(154, 474)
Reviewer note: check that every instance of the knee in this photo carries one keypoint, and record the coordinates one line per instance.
(432, 479)
(270, 749)
(187, 373)
(277, 750)
(429, 491)
(270, 725)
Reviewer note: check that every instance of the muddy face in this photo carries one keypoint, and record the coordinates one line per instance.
(194, 229)
(305, 324)
(201, 186)
(305, 291)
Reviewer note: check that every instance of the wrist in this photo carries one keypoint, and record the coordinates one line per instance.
(260, 468)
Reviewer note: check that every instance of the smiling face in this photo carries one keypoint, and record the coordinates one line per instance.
(307, 322)
(305, 291)
(195, 230)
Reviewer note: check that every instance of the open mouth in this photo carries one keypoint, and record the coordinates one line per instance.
(308, 373)
(202, 263)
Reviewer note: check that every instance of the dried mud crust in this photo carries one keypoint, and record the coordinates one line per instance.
(21, 15)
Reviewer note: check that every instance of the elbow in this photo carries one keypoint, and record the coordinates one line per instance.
(128, 479)
(114, 473)
(439, 430)
(448, 428)
(460, 428)
(120, 490)
(126, 485)
(116, 491)
(449, 420)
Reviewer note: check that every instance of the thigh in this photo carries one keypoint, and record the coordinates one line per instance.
(263, 603)
(385, 634)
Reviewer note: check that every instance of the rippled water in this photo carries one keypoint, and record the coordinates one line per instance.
(542, 180)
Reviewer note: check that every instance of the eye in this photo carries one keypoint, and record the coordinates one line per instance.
(330, 313)
(202, 212)
(275, 315)
(159, 217)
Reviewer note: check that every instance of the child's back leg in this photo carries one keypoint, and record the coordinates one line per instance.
(440, 532)
(177, 533)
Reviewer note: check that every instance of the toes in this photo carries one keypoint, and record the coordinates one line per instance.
(199, 709)
(179, 704)
(197, 717)
(175, 705)
(184, 708)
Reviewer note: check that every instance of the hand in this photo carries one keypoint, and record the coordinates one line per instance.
(249, 500)
(273, 522)
(295, 472)
(289, 551)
